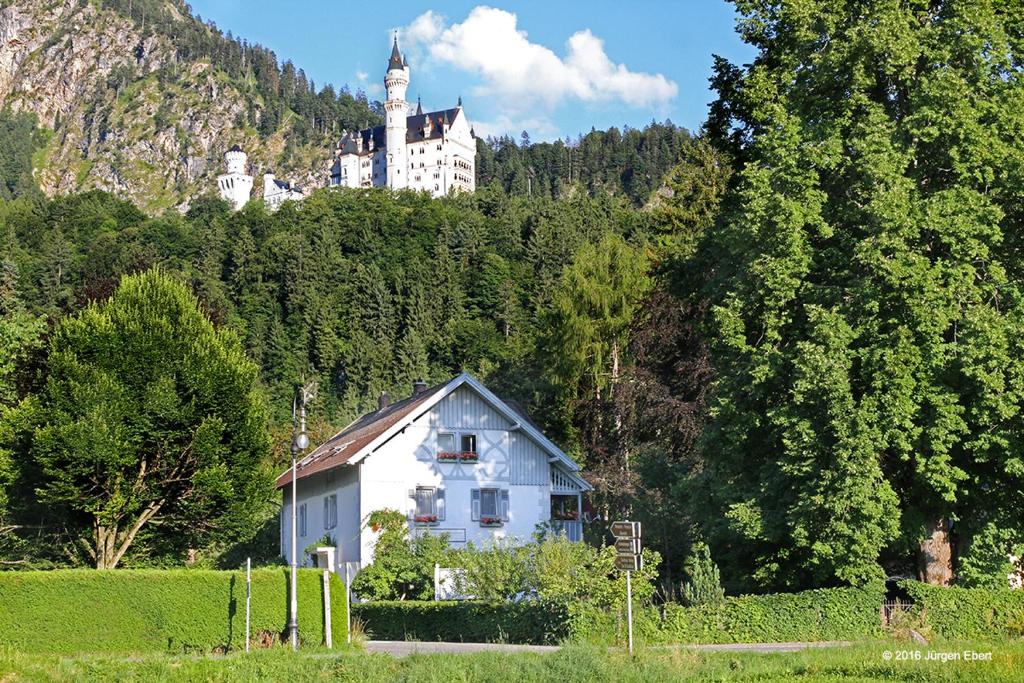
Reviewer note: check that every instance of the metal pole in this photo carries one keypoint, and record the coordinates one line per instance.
(248, 598)
(293, 608)
(629, 610)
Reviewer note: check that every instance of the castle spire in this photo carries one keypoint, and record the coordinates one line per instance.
(396, 61)
(419, 106)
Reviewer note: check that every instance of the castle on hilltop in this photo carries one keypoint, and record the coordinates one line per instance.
(433, 152)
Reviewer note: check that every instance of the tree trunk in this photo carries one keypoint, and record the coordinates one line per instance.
(935, 555)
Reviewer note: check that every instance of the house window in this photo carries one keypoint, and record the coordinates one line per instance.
(445, 443)
(331, 511)
(489, 506)
(428, 505)
(302, 520)
(468, 443)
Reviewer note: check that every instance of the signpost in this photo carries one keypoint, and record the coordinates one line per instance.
(629, 560)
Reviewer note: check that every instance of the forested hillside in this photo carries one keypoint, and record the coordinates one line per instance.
(148, 97)
(631, 162)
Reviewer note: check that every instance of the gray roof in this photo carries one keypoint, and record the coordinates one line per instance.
(418, 127)
(395, 62)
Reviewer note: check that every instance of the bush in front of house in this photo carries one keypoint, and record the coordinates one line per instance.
(467, 621)
(403, 566)
(71, 611)
(965, 613)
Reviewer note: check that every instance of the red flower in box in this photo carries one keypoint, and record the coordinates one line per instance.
(447, 456)
(457, 456)
(468, 456)
(425, 519)
(490, 520)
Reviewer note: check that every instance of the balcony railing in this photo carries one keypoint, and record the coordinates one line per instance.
(573, 529)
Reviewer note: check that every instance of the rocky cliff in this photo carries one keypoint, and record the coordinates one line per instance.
(126, 113)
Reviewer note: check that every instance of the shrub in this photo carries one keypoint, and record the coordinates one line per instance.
(150, 610)
(468, 621)
(825, 614)
(402, 567)
(965, 613)
(704, 585)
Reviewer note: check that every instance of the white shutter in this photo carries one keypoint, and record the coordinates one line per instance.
(411, 503)
(504, 505)
(439, 503)
(475, 505)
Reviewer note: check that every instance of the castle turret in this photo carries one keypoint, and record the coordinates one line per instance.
(235, 185)
(396, 81)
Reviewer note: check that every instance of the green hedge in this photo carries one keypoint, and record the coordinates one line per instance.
(470, 622)
(179, 610)
(814, 615)
(828, 614)
(966, 613)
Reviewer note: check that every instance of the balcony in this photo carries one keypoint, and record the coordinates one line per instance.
(573, 529)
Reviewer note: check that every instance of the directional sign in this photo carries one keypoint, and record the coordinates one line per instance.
(627, 546)
(626, 529)
(627, 563)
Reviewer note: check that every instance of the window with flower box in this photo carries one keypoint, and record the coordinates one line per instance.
(446, 451)
(428, 505)
(489, 506)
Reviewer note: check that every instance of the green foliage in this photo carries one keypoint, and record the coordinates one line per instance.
(135, 611)
(867, 320)
(552, 570)
(150, 414)
(467, 621)
(703, 586)
(958, 613)
(19, 139)
(402, 567)
(572, 663)
(630, 162)
(823, 614)
(986, 561)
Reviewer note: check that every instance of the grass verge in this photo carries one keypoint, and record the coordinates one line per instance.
(863, 662)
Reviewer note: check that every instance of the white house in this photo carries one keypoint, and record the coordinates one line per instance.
(433, 152)
(455, 458)
(277, 192)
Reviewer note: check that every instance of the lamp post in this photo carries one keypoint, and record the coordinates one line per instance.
(299, 443)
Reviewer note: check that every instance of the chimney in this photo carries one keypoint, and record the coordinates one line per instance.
(418, 387)
(384, 401)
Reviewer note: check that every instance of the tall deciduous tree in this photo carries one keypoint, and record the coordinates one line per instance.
(150, 414)
(868, 326)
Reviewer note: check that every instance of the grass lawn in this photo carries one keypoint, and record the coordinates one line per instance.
(864, 662)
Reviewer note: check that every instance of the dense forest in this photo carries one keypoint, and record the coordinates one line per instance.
(801, 344)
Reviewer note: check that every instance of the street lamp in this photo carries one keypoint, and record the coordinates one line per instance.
(299, 443)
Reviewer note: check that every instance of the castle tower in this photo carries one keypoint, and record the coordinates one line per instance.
(396, 110)
(235, 185)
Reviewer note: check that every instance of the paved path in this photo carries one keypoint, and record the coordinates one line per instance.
(403, 648)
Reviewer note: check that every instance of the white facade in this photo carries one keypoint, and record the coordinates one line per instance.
(235, 185)
(516, 482)
(433, 152)
(276, 192)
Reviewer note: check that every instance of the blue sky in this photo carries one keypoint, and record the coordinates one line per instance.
(554, 67)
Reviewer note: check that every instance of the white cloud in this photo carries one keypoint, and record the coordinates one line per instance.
(524, 74)
(361, 76)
